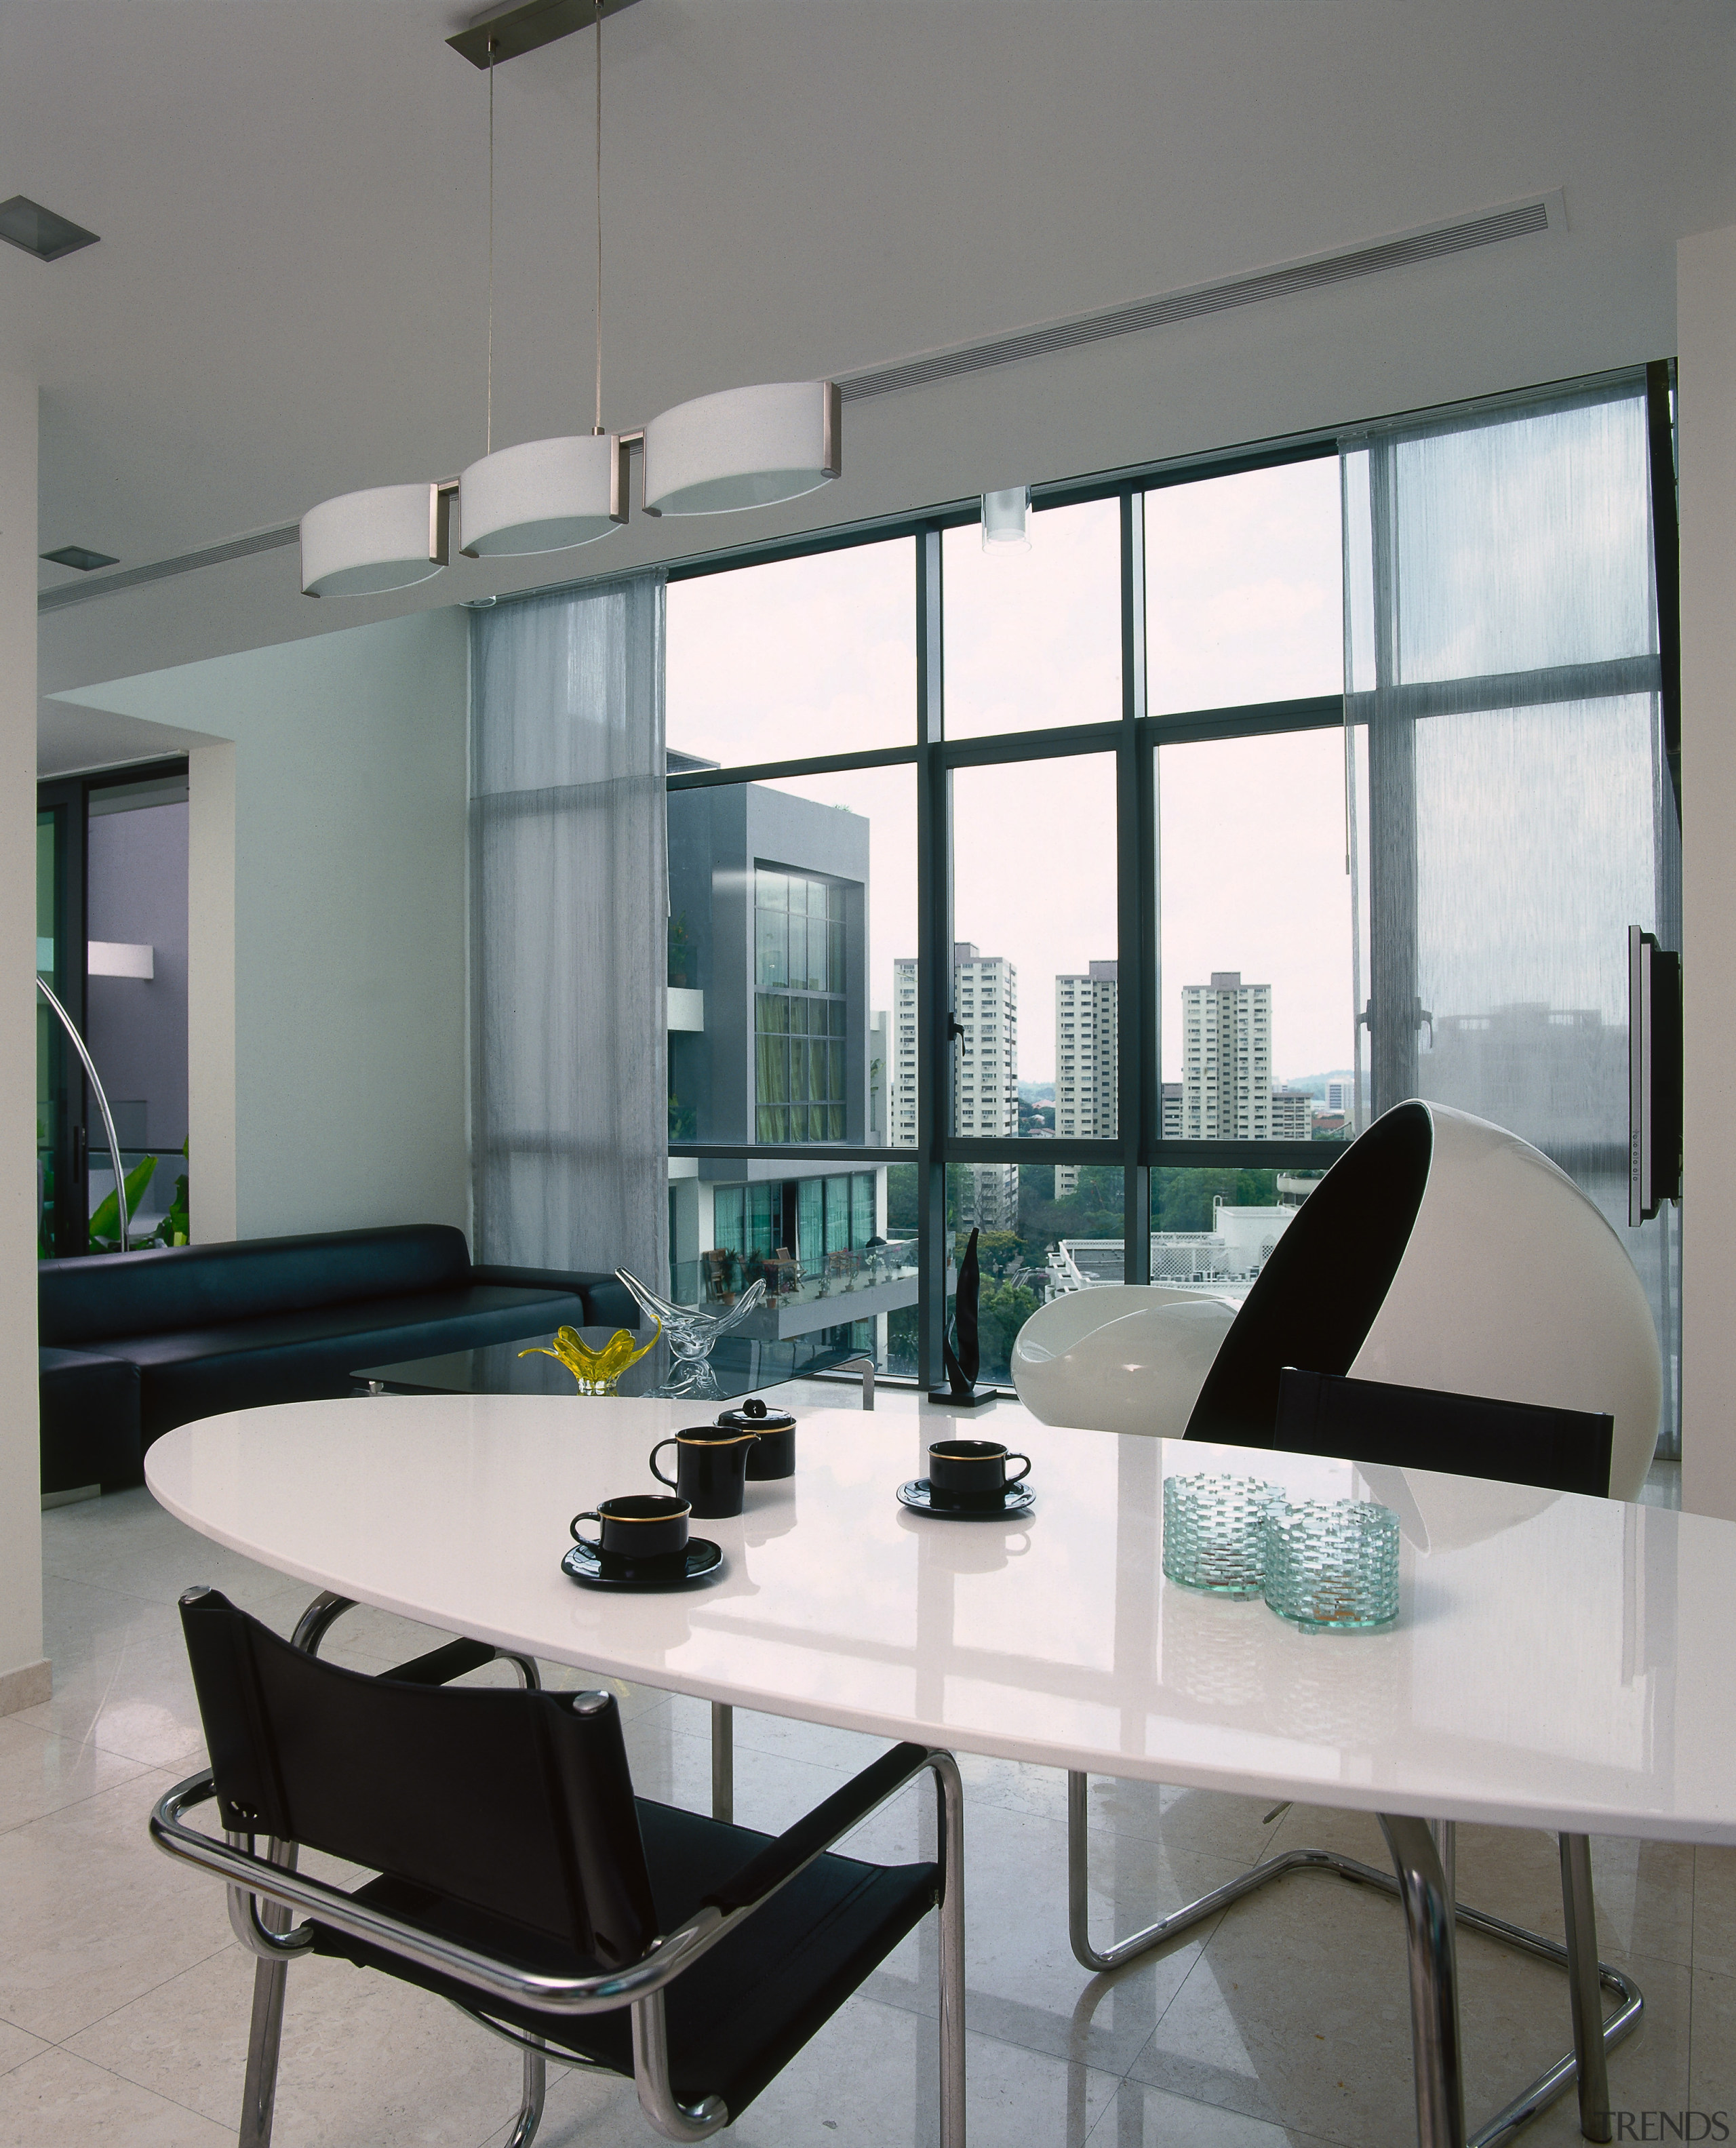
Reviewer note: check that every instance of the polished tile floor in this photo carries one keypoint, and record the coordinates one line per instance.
(123, 1999)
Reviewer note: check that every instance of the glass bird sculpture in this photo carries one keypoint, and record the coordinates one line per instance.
(597, 1372)
(691, 1333)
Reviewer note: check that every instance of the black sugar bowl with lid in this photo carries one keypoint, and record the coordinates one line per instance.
(772, 1453)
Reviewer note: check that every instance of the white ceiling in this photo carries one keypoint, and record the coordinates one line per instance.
(287, 300)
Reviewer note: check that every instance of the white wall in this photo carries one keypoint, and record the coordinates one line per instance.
(23, 1672)
(211, 1100)
(327, 898)
(1706, 297)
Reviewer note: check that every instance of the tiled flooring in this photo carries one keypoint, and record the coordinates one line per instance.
(123, 1999)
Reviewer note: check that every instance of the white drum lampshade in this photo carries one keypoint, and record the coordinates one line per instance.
(1123, 1358)
(1442, 1252)
(541, 496)
(747, 447)
(362, 543)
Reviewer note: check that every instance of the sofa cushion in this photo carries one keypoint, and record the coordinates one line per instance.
(89, 1299)
(305, 1357)
(90, 1421)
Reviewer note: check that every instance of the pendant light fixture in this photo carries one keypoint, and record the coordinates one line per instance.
(744, 447)
(544, 496)
(363, 543)
(748, 447)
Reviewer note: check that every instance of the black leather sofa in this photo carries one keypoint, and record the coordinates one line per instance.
(133, 1344)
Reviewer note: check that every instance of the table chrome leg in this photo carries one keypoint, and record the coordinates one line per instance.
(1585, 1985)
(722, 1761)
(1446, 1834)
(1513, 2117)
(1119, 1952)
(1434, 1982)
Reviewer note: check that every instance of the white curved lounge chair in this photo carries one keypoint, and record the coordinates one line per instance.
(1124, 1357)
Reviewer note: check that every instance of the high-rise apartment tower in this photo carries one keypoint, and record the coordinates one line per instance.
(1087, 1033)
(984, 1072)
(1226, 1060)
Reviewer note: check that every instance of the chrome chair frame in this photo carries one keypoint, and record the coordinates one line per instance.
(1422, 1880)
(265, 1891)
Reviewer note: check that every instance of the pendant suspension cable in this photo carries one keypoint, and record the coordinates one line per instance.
(597, 14)
(488, 433)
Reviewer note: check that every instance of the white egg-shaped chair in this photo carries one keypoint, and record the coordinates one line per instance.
(1121, 1358)
(1442, 1252)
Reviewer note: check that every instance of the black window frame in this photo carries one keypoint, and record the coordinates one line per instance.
(1140, 1147)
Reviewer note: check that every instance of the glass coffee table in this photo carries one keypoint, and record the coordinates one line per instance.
(741, 1364)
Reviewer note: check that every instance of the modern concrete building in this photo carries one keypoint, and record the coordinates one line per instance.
(1088, 1036)
(986, 1078)
(985, 1072)
(770, 1041)
(1292, 1115)
(1226, 1060)
(903, 1099)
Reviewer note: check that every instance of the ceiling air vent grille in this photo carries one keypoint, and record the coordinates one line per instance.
(1519, 221)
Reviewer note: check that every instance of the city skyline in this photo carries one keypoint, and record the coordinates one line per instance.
(1227, 1093)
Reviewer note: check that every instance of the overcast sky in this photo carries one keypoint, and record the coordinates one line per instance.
(817, 655)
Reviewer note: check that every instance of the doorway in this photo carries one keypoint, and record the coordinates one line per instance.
(112, 944)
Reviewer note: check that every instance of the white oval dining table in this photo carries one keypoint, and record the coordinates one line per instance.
(1558, 1662)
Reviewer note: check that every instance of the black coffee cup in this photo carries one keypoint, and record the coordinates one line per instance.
(772, 1453)
(640, 1526)
(710, 1469)
(973, 1472)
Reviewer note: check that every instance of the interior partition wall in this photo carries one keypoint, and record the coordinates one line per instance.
(1125, 758)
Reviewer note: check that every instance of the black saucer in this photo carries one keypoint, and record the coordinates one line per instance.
(920, 1498)
(702, 1560)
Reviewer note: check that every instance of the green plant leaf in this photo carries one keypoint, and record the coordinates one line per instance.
(106, 1223)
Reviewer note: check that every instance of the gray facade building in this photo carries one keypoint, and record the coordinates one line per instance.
(770, 1042)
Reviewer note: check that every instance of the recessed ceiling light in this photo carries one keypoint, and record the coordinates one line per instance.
(34, 230)
(75, 555)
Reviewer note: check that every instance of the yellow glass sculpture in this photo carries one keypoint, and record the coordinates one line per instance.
(596, 1371)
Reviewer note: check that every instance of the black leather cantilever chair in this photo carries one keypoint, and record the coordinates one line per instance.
(518, 1876)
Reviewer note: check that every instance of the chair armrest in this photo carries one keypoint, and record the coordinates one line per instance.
(750, 1889)
(573, 1282)
(242, 1870)
(815, 1832)
(439, 1666)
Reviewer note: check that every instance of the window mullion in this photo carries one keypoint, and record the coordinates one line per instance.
(934, 993)
(1136, 890)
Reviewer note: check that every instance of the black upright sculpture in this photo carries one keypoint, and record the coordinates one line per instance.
(963, 1363)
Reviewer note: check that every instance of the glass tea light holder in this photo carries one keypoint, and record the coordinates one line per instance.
(1332, 1566)
(1214, 1533)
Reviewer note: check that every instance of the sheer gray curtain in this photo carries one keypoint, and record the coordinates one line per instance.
(1514, 808)
(569, 910)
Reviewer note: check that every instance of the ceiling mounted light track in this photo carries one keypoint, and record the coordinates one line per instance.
(744, 447)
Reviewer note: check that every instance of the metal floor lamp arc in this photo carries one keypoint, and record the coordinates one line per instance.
(95, 1082)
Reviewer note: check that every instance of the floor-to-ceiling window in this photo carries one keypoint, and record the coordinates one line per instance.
(1053, 887)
